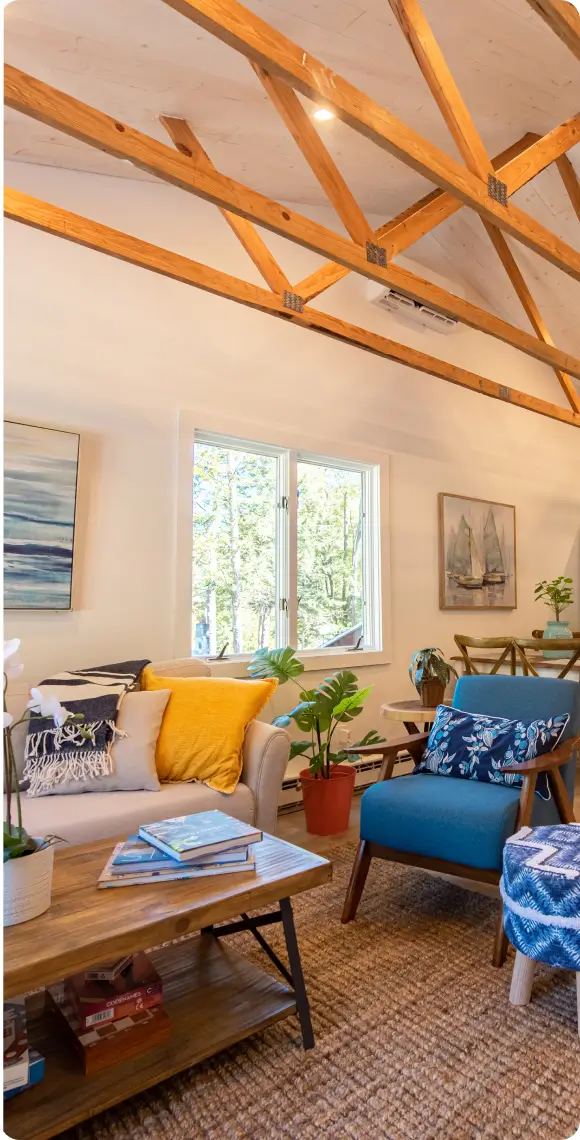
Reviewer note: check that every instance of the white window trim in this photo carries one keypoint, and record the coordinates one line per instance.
(307, 447)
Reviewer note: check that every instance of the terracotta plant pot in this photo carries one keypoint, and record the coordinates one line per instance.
(327, 802)
(432, 693)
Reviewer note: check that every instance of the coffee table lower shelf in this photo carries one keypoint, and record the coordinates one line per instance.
(214, 998)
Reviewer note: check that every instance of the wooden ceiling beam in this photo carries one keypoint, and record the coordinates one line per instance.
(413, 223)
(441, 83)
(186, 142)
(531, 309)
(516, 166)
(93, 235)
(33, 97)
(563, 19)
(235, 25)
(322, 165)
(570, 180)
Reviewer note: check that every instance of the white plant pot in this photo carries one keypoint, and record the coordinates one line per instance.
(27, 886)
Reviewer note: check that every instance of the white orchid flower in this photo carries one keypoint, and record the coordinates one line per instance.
(48, 706)
(12, 668)
(8, 718)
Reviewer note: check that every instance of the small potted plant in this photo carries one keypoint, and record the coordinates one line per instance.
(328, 783)
(28, 861)
(557, 595)
(430, 675)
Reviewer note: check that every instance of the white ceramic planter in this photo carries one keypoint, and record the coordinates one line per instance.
(27, 886)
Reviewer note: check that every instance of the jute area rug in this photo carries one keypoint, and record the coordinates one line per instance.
(415, 1038)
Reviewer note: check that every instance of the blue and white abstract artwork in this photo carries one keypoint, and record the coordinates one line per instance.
(40, 486)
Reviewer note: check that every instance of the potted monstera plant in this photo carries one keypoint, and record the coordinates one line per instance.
(327, 783)
(430, 674)
(28, 860)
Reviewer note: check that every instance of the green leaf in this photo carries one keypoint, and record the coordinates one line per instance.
(371, 737)
(349, 704)
(300, 748)
(16, 846)
(331, 692)
(281, 664)
(317, 763)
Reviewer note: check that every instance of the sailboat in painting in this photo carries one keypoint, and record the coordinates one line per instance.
(465, 566)
(451, 572)
(494, 572)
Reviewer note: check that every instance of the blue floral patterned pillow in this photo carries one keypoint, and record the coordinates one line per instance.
(474, 747)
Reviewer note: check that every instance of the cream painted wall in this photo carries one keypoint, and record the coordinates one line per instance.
(117, 354)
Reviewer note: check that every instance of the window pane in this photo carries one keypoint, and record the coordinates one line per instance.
(234, 549)
(330, 573)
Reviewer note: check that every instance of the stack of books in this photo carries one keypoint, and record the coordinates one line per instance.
(187, 847)
(112, 1012)
(23, 1067)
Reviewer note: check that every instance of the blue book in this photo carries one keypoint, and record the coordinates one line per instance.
(135, 856)
(202, 833)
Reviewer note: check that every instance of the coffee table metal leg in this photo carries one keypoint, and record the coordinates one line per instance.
(302, 1005)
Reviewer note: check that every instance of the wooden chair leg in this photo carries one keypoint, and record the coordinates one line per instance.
(358, 878)
(563, 801)
(500, 947)
(522, 979)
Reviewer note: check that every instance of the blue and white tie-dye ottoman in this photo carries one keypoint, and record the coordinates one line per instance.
(540, 888)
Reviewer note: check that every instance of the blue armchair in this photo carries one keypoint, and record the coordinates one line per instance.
(460, 826)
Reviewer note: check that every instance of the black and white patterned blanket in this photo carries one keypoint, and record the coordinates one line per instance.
(78, 749)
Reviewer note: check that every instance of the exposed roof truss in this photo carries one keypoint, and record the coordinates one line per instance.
(482, 184)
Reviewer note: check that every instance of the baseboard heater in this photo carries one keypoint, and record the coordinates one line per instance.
(367, 772)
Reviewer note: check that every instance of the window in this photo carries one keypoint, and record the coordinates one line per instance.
(285, 550)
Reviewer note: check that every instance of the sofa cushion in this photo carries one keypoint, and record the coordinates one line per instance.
(82, 818)
(202, 733)
(132, 753)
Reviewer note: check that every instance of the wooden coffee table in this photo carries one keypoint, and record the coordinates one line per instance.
(212, 994)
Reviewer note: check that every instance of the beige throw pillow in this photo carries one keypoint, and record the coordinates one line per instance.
(140, 716)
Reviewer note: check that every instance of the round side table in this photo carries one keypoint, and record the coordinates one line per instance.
(410, 712)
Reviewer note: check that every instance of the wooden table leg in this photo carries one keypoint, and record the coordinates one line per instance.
(411, 727)
(522, 979)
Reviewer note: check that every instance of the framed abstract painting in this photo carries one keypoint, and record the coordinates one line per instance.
(40, 491)
(477, 554)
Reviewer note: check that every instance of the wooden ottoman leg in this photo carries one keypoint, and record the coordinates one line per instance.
(522, 979)
(358, 878)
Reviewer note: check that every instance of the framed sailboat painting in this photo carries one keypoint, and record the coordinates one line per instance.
(477, 554)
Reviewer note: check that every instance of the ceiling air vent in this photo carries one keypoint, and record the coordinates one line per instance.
(410, 310)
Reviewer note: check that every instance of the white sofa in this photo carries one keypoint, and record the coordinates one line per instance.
(103, 815)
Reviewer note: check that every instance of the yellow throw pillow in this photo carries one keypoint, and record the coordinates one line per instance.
(202, 732)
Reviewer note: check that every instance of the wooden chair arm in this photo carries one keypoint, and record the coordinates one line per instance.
(398, 745)
(545, 763)
(415, 744)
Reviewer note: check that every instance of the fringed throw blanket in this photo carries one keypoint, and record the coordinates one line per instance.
(78, 749)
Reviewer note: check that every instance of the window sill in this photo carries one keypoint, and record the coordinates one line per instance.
(313, 662)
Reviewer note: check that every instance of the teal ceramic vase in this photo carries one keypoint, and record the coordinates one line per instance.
(557, 629)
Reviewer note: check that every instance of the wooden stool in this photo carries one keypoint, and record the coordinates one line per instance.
(540, 888)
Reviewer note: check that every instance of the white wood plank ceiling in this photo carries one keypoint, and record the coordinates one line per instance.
(136, 59)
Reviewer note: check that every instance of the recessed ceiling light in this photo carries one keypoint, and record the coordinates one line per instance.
(323, 114)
